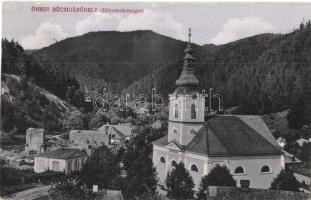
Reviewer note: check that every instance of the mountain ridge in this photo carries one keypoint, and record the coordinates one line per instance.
(261, 74)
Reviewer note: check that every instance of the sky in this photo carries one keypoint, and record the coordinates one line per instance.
(211, 23)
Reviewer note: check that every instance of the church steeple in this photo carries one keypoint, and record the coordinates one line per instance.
(186, 106)
(187, 82)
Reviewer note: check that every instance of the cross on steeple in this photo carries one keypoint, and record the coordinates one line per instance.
(189, 34)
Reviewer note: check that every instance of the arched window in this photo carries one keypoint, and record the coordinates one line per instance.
(265, 169)
(162, 160)
(239, 170)
(193, 112)
(194, 168)
(174, 163)
(175, 131)
(176, 110)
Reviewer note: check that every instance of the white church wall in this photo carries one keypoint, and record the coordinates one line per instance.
(169, 156)
(182, 132)
(252, 168)
(201, 163)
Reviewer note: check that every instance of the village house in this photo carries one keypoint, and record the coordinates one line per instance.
(86, 139)
(34, 140)
(119, 134)
(113, 136)
(242, 143)
(60, 160)
(290, 159)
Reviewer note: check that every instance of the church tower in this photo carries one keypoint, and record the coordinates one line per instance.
(186, 107)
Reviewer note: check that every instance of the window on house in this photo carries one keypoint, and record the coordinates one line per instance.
(174, 163)
(176, 110)
(162, 160)
(239, 170)
(194, 168)
(175, 131)
(193, 112)
(265, 169)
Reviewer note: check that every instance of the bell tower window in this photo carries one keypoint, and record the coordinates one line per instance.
(176, 110)
(193, 112)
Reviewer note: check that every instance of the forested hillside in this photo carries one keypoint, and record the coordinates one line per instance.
(34, 93)
(111, 59)
(260, 74)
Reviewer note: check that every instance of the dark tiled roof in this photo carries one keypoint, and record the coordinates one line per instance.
(228, 136)
(63, 154)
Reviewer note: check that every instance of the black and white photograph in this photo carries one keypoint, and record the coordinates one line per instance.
(155, 100)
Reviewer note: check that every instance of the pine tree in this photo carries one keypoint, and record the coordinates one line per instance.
(179, 183)
(98, 119)
(218, 176)
(285, 180)
(74, 121)
(141, 178)
(100, 168)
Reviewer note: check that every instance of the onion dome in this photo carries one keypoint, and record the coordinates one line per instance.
(187, 81)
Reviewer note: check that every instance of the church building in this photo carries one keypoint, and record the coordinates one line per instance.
(243, 143)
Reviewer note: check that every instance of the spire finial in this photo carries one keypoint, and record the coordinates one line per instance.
(189, 34)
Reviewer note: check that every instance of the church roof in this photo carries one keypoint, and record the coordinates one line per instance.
(231, 136)
(63, 154)
(187, 78)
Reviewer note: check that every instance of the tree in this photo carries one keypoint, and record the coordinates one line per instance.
(69, 187)
(285, 180)
(218, 176)
(141, 177)
(75, 96)
(75, 121)
(98, 119)
(295, 116)
(179, 183)
(100, 168)
(305, 153)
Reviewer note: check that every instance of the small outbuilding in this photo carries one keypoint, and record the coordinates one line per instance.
(61, 160)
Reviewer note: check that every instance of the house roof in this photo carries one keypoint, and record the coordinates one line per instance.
(290, 158)
(63, 154)
(231, 136)
(123, 130)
